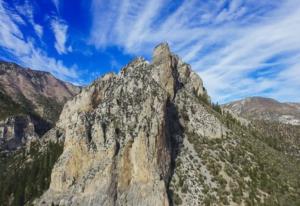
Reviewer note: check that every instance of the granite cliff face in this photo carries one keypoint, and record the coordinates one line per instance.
(149, 136)
(122, 134)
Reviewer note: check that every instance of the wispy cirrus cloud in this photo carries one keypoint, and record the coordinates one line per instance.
(24, 50)
(60, 31)
(240, 48)
(25, 11)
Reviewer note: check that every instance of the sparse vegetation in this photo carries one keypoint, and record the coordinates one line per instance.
(257, 167)
(177, 199)
(52, 108)
(216, 107)
(204, 99)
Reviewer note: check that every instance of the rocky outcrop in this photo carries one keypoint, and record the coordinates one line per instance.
(122, 134)
(16, 131)
(149, 136)
(21, 130)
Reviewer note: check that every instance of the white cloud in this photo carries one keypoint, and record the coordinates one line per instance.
(10, 36)
(27, 12)
(60, 30)
(26, 52)
(39, 30)
(230, 43)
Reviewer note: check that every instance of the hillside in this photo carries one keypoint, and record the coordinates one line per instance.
(30, 91)
(266, 109)
(30, 104)
(277, 122)
(150, 136)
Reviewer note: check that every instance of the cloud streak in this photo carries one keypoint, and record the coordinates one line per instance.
(60, 30)
(239, 47)
(25, 50)
(25, 11)
(229, 42)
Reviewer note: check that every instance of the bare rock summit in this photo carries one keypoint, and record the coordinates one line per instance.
(150, 136)
(122, 134)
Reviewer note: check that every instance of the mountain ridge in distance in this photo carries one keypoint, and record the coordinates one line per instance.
(262, 108)
(279, 122)
(30, 103)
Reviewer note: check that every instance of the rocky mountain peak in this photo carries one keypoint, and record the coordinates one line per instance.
(161, 52)
(123, 132)
(151, 136)
(146, 136)
(168, 70)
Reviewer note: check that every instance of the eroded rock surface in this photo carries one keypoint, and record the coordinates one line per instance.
(149, 136)
(122, 134)
(15, 131)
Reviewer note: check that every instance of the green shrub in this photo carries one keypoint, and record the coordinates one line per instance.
(177, 200)
(184, 188)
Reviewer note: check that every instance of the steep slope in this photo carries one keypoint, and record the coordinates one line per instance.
(121, 135)
(266, 109)
(282, 137)
(25, 90)
(278, 122)
(150, 137)
(30, 103)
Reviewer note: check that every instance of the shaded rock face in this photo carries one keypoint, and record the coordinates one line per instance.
(123, 133)
(16, 131)
(30, 104)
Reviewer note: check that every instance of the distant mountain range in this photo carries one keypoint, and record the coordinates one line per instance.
(30, 103)
(261, 108)
(279, 123)
(35, 91)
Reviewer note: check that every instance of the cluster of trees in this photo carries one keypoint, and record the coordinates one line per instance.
(25, 176)
(8, 106)
(206, 100)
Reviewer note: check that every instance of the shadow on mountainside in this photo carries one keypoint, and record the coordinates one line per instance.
(174, 133)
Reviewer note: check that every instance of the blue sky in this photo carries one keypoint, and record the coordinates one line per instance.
(240, 48)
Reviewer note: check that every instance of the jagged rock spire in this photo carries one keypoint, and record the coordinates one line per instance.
(122, 134)
(161, 52)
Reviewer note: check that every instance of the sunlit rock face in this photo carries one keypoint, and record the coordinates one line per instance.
(123, 133)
